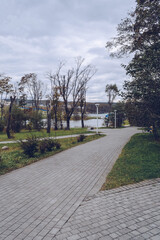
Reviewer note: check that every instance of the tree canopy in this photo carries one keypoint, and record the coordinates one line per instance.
(139, 35)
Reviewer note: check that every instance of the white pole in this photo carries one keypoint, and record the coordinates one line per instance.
(97, 116)
(97, 119)
(115, 118)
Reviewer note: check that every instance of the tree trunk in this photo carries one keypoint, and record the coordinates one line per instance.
(9, 117)
(83, 110)
(48, 118)
(82, 118)
(2, 107)
(82, 122)
(68, 123)
(48, 122)
(56, 121)
(61, 123)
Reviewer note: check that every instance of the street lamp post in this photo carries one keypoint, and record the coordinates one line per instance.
(115, 118)
(97, 105)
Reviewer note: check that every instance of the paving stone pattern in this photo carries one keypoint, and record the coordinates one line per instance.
(131, 212)
(37, 200)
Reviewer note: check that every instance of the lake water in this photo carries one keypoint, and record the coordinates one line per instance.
(87, 123)
(90, 122)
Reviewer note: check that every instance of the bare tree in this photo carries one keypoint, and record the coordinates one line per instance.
(53, 99)
(5, 89)
(33, 87)
(48, 102)
(12, 100)
(55, 103)
(71, 84)
(112, 92)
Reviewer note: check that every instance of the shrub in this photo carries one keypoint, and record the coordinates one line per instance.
(57, 145)
(30, 147)
(17, 119)
(50, 144)
(36, 120)
(29, 126)
(42, 146)
(81, 138)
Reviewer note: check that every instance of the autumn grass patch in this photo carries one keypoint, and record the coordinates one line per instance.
(41, 134)
(139, 160)
(14, 158)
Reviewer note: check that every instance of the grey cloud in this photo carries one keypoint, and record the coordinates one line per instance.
(36, 34)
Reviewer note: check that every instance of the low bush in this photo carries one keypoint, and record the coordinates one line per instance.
(80, 138)
(57, 145)
(33, 145)
(50, 144)
(30, 146)
(42, 146)
(29, 126)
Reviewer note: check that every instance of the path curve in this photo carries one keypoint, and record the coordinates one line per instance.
(37, 200)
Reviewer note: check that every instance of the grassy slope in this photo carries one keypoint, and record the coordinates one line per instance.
(139, 160)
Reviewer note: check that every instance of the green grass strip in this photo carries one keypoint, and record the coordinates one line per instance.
(40, 134)
(13, 158)
(139, 160)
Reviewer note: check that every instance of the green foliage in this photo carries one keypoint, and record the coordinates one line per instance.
(138, 161)
(50, 144)
(2, 164)
(42, 146)
(81, 138)
(30, 146)
(57, 145)
(139, 34)
(41, 134)
(17, 119)
(120, 114)
(2, 125)
(137, 114)
(36, 120)
(1, 160)
(112, 91)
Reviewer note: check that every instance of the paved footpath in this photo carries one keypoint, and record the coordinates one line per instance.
(130, 212)
(37, 200)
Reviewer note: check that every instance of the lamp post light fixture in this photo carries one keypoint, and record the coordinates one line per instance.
(97, 105)
(115, 118)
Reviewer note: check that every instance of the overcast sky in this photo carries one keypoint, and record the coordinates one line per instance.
(36, 34)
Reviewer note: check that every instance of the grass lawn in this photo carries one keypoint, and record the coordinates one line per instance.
(13, 158)
(25, 133)
(139, 160)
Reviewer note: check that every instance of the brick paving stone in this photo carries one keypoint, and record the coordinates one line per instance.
(37, 200)
(155, 237)
(112, 203)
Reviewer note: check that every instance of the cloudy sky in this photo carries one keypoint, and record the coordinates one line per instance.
(36, 34)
